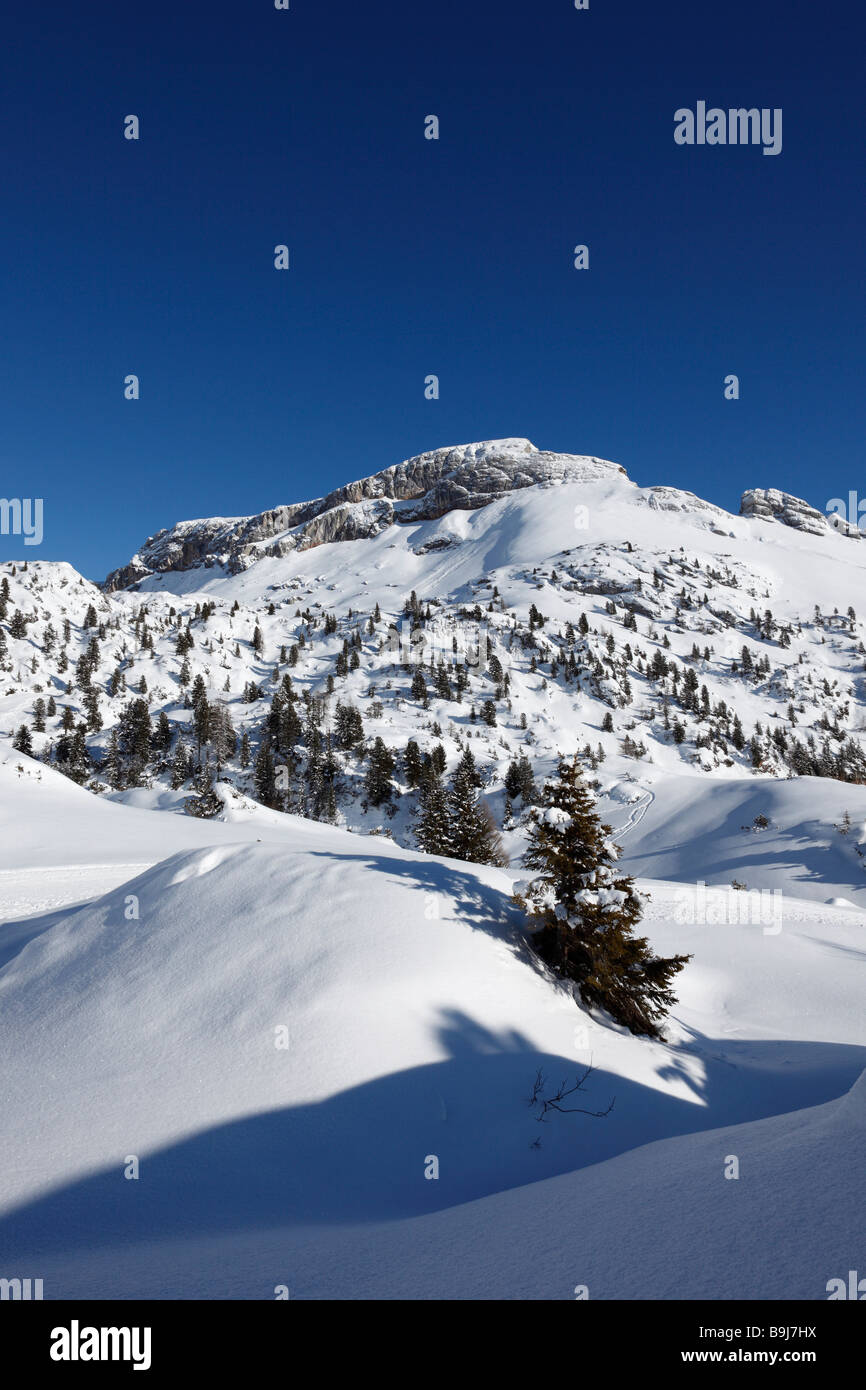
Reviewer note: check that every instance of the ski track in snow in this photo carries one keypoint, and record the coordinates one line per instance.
(636, 816)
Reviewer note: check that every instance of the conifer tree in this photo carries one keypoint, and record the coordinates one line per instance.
(519, 780)
(206, 804)
(72, 756)
(468, 768)
(223, 736)
(443, 685)
(412, 763)
(315, 771)
(473, 834)
(135, 739)
(112, 767)
(91, 705)
(348, 726)
(585, 910)
(438, 760)
(22, 742)
(180, 769)
(432, 818)
(162, 737)
(379, 770)
(264, 773)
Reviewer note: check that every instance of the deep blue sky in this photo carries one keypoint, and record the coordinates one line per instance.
(412, 257)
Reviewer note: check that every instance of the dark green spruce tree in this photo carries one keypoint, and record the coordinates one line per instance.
(380, 768)
(473, 833)
(585, 910)
(432, 819)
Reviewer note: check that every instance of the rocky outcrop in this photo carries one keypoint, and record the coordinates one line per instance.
(768, 504)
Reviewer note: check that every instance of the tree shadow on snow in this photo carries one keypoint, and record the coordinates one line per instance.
(361, 1155)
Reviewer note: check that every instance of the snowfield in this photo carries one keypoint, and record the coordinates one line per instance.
(246, 1051)
(289, 1031)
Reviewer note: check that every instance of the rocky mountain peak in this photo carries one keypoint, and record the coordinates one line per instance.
(422, 488)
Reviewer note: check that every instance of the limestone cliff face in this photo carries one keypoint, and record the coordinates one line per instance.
(464, 477)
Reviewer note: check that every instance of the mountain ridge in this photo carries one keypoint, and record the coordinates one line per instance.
(425, 487)
(421, 488)
(652, 632)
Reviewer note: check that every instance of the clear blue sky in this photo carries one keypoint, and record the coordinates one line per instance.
(412, 257)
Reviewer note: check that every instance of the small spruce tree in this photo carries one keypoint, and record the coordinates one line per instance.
(586, 910)
(432, 820)
(473, 833)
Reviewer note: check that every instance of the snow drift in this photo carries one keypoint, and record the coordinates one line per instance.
(284, 1037)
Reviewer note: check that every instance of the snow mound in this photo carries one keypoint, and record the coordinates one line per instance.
(299, 1040)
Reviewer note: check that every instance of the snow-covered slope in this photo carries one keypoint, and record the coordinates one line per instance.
(671, 639)
(802, 852)
(531, 505)
(674, 645)
(285, 1036)
(461, 477)
(60, 844)
(294, 1028)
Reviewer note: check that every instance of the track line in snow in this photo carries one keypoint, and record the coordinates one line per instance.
(636, 815)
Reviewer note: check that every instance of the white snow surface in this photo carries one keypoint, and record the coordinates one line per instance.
(415, 1024)
(152, 964)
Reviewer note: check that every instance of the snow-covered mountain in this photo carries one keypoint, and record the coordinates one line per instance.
(653, 631)
(459, 478)
(209, 796)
